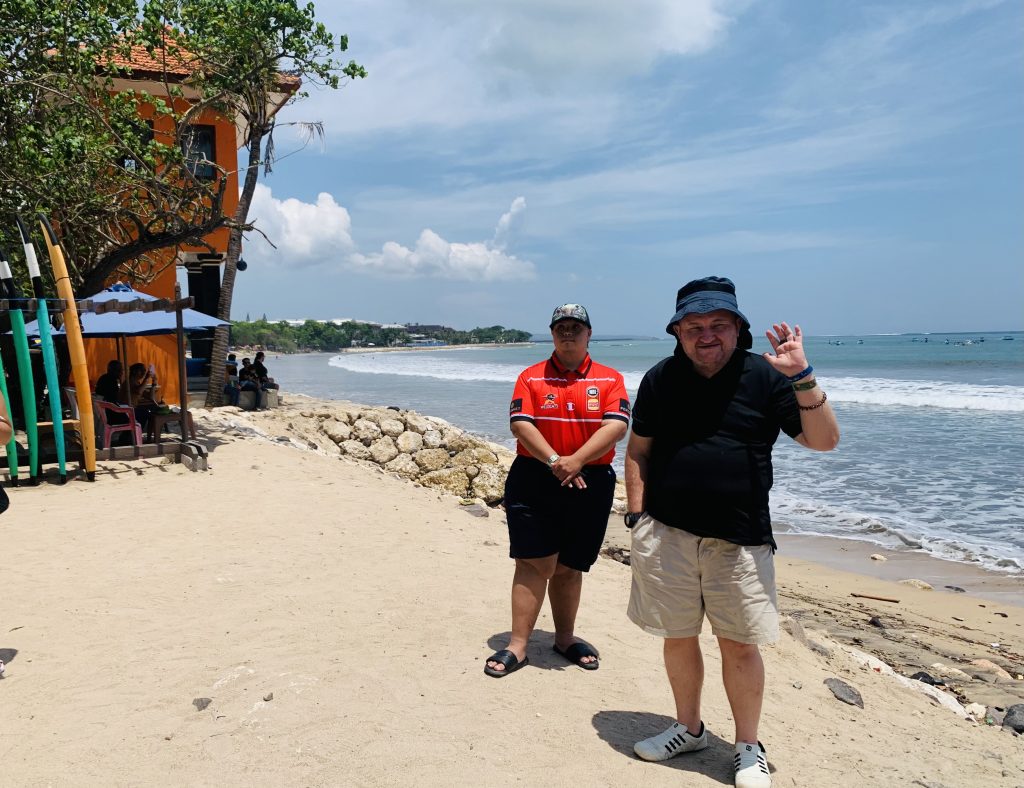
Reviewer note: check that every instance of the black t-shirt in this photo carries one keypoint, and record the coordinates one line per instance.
(108, 388)
(710, 467)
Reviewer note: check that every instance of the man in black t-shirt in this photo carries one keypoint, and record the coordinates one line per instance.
(698, 472)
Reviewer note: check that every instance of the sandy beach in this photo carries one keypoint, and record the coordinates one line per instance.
(337, 619)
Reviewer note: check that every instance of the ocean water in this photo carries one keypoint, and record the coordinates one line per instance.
(932, 450)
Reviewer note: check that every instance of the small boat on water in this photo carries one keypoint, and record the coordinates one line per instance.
(1008, 337)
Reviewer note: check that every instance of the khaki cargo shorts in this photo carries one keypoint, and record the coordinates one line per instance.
(679, 577)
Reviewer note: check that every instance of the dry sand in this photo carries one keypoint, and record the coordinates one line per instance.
(338, 621)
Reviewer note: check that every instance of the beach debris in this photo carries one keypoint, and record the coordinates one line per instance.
(1014, 719)
(844, 692)
(620, 554)
(994, 715)
(990, 671)
(913, 582)
(875, 621)
(950, 672)
(928, 679)
(476, 510)
(878, 557)
(796, 629)
(957, 589)
(976, 710)
(798, 685)
(490, 543)
(201, 703)
(876, 598)
(819, 648)
(1004, 615)
(268, 697)
(940, 697)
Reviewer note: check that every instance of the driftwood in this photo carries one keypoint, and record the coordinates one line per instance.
(877, 598)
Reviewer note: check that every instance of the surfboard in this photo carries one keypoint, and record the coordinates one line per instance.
(73, 331)
(12, 445)
(24, 361)
(49, 354)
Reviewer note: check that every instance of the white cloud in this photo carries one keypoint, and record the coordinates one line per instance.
(561, 40)
(304, 233)
(455, 63)
(436, 257)
(320, 233)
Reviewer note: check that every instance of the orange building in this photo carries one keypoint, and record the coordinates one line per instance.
(212, 138)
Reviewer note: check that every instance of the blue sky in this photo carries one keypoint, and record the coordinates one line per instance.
(853, 167)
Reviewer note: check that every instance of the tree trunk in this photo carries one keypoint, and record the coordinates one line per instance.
(219, 353)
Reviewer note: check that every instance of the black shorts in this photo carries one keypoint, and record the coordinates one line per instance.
(545, 518)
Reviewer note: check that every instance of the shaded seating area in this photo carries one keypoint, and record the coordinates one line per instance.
(125, 423)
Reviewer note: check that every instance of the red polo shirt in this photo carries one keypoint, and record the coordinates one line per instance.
(568, 406)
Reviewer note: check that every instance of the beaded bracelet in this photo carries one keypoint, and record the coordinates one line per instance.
(801, 375)
(805, 386)
(816, 405)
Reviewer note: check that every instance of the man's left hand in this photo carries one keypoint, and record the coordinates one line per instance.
(789, 358)
(567, 469)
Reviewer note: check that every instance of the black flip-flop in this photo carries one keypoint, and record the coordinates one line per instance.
(575, 654)
(506, 658)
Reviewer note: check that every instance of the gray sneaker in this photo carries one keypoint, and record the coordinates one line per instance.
(751, 766)
(671, 742)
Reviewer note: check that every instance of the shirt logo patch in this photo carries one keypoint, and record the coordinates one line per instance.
(624, 406)
(570, 406)
(593, 404)
(592, 391)
(516, 406)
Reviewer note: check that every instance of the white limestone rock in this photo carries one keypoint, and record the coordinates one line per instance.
(409, 442)
(431, 459)
(477, 455)
(383, 451)
(403, 465)
(417, 423)
(453, 480)
(392, 427)
(355, 449)
(915, 583)
(366, 431)
(489, 483)
(431, 439)
(337, 431)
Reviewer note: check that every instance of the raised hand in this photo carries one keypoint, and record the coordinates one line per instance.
(788, 346)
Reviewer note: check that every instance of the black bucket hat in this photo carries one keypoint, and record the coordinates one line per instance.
(709, 295)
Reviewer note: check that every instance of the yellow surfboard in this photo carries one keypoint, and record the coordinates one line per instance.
(73, 330)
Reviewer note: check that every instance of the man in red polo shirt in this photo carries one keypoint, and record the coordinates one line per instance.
(567, 414)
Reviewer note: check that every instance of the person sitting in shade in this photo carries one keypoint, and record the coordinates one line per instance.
(248, 381)
(143, 393)
(262, 374)
(232, 391)
(108, 385)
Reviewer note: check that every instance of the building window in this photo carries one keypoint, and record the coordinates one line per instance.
(197, 143)
(144, 135)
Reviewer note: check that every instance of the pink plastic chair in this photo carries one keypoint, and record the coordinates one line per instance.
(103, 407)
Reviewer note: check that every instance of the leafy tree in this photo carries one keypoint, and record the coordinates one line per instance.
(72, 145)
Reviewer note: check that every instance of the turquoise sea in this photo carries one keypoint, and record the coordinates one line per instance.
(931, 458)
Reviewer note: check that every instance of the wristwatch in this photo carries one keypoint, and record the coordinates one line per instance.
(631, 518)
(552, 460)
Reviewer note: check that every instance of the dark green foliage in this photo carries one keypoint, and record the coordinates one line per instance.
(314, 335)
